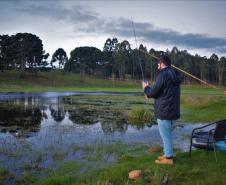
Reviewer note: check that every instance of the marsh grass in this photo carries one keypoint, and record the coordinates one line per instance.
(6, 175)
(195, 108)
(139, 116)
(74, 148)
(3, 174)
(127, 109)
(26, 178)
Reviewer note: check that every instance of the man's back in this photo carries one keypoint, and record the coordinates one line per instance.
(166, 92)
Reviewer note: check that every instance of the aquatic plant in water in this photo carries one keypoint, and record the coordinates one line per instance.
(140, 116)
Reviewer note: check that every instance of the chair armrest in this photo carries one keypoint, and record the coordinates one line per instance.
(198, 128)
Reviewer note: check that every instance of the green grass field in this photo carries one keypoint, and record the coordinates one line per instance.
(58, 81)
(10, 81)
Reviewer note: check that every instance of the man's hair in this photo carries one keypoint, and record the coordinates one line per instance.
(165, 60)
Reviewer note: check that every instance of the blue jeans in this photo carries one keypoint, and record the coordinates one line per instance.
(165, 130)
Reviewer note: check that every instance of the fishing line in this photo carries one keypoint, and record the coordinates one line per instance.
(134, 32)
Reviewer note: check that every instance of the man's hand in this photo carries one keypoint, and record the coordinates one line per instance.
(144, 84)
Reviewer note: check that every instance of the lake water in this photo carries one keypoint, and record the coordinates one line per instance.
(38, 129)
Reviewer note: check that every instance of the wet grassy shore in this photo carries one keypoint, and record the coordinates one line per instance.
(201, 169)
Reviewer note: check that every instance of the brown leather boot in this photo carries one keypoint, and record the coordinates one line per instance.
(161, 157)
(164, 161)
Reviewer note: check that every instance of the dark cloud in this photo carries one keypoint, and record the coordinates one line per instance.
(48, 9)
(190, 40)
(86, 22)
(148, 32)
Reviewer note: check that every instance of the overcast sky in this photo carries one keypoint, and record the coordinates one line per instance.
(198, 26)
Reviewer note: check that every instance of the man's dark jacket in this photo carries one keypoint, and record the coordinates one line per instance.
(166, 92)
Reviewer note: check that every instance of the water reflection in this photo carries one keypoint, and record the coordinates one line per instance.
(31, 114)
(83, 115)
(20, 116)
(57, 111)
(112, 126)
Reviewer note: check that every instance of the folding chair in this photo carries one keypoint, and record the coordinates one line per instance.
(213, 138)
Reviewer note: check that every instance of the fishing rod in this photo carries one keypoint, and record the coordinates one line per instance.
(175, 67)
(134, 32)
(185, 72)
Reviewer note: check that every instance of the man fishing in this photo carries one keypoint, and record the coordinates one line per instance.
(166, 93)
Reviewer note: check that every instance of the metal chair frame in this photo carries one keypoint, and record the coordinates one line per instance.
(211, 138)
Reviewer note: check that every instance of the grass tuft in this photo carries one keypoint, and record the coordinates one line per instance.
(140, 116)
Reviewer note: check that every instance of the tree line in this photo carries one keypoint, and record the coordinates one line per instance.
(24, 52)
